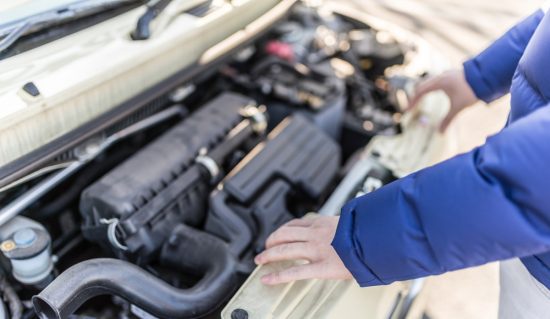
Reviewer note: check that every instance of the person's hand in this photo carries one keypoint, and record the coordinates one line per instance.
(454, 84)
(306, 239)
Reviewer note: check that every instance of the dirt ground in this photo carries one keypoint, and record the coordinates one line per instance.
(459, 29)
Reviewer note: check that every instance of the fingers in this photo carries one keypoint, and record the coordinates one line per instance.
(422, 89)
(301, 222)
(413, 102)
(288, 234)
(286, 252)
(447, 120)
(445, 124)
(294, 230)
(304, 239)
(301, 272)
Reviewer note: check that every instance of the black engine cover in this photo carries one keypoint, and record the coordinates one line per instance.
(297, 164)
(162, 185)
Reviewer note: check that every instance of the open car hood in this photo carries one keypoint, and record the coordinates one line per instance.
(49, 92)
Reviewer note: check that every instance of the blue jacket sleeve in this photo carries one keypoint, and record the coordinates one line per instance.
(490, 204)
(490, 73)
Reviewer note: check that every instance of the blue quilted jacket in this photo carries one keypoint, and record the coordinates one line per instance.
(492, 203)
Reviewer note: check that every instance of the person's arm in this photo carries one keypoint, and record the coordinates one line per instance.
(490, 73)
(492, 203)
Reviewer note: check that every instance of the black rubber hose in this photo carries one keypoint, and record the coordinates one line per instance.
(116, 277)
(9, 294)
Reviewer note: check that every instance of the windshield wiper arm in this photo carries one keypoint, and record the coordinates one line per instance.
(157, 9)
(13, 31)
(143, 27)
(17, 32)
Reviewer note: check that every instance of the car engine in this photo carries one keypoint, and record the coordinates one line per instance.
(165, 213)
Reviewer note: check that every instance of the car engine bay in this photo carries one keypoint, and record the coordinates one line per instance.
(163, 216)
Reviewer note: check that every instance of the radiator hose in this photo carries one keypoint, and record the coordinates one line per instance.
(187, 248)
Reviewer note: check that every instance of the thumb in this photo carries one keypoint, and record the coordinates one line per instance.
(447, 120)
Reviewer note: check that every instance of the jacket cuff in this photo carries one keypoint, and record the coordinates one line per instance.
(347, 249)
(474, 78)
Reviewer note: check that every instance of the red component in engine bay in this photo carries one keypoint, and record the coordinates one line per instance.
(280, 49)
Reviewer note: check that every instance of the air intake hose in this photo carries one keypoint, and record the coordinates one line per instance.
(94, 277)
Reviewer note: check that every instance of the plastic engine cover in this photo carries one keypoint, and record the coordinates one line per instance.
(161, 186)
(298, 161)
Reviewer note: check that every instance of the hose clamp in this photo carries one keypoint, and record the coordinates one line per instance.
(256, 114)
(111, 233)
(208, 163)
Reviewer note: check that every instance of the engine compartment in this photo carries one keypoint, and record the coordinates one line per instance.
(163, 221)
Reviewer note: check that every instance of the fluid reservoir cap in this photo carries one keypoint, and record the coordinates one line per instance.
(27, 242)
(24, 237)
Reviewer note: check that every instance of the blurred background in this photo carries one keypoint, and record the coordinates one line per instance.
(459, 29)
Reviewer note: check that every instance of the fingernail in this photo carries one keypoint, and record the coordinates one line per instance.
(266, 280)
(258, 260)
